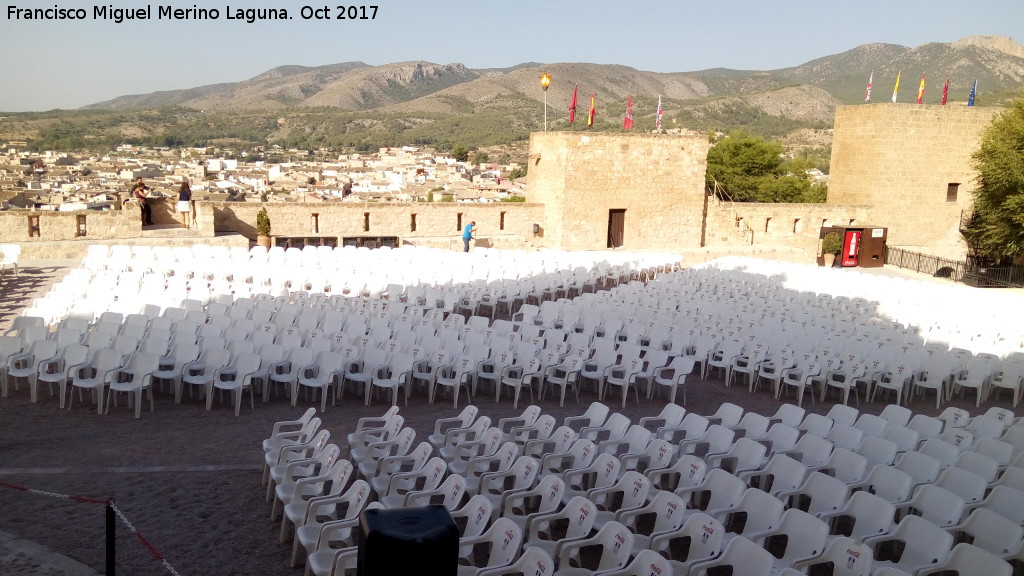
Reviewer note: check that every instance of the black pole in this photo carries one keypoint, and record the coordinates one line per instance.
(110, 537)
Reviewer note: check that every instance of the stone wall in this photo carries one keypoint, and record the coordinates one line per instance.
(500, 225)
(794, 226)
(901, 159)
(99, 225)
(657, 179)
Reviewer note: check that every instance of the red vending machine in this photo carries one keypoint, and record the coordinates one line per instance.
(851, 247)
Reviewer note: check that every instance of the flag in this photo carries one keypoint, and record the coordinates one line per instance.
(657, 119)
(627, 122)
(920, 90)
(945, 92)
(897, 88)
(590, 117)
(867, 98)
(974, 92)
(572, 105)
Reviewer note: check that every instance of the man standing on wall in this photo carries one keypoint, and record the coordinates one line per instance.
(141, 193)
(467, 235)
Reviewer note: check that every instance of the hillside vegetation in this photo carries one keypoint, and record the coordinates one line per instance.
(354, 106)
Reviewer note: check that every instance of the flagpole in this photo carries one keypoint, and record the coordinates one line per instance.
(545, 81)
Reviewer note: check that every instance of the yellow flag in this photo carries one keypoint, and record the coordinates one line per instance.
(897, 88)
(920, 91)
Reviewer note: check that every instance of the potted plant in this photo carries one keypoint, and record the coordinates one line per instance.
(831, 246)
(263, 228)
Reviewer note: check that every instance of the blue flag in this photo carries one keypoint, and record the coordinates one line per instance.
(974, 91)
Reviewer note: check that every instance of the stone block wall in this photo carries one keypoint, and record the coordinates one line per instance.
(503, 224)
(657, 179)
(904, 160)
(794, 226)
(99, 225)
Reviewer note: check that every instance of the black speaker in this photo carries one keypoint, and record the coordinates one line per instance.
(408, 541)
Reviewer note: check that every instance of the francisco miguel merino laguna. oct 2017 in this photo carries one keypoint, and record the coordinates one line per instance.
(147, 12)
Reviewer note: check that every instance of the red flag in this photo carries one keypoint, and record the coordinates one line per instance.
(945, 92)
(590, 117)
(920, 91)
(627, 122)
(867, 97)
(572, 105)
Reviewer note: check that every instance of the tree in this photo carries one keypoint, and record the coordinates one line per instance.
(750, 169)
(998, 223)
(460, 153)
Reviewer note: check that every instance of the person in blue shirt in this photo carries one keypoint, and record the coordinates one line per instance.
(467, 235)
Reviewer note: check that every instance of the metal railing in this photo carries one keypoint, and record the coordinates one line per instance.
(926, 263)
(956, 270)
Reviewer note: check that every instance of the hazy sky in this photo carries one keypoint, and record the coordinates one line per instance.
(46, 64)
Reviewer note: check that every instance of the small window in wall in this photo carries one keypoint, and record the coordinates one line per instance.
(796, 225)
(366, 221)
(951, 189)
(314, 225)
(33, 226)
(458, 222)
(767, 224)
(852, 221)
(501, 221)
(412, 223)
(80, 228)
(824, 222)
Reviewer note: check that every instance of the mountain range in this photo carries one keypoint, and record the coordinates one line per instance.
(353, 104)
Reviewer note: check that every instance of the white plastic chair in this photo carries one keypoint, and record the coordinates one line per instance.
(388, 466)
(321, 376)
(819, 494)
(532, 561)
(426, 478)
(58, 371)
(847, 556)
(628, 492)
(27, 365)
(668, 511)
(202, 371)
(702, 533)
(519, 476)
(935, 504)
(104, 362)
(516, 377)
(442, 425)
(744, 557)
(573, 521)
(479, 466)
(969, 559)
(546, 496)
(686, 472)
(602, 472)
(862, 516)
(501, 542)
(449, 494)
(615, 542)
(922, 545)
(990, 531)
(235, 378)
(310, 516)
(134, 379)
(803, 535)
(719, 492)
(455, 376)
(645, 563)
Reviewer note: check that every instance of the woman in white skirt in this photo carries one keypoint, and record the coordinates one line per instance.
(185, 204)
